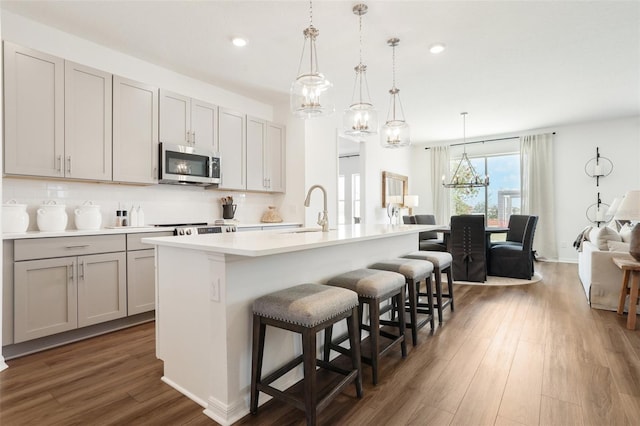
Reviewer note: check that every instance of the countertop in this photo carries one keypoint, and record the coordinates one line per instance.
(123, 230)
(266, 243)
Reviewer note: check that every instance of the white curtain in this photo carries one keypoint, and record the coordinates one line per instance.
(536, 180)
(439, 168)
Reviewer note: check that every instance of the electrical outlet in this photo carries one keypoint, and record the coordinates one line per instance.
(214, 291)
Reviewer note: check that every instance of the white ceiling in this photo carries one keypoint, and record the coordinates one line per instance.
(513, 65)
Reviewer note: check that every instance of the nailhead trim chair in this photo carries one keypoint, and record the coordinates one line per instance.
(305, 309)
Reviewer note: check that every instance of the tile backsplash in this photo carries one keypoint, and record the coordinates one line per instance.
(162, 204)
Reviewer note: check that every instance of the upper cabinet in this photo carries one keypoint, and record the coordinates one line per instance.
(135, 131)
(57, 117)
(33, 112)
(265, 156)
(233, 144)
(87, 122)
(187, 121)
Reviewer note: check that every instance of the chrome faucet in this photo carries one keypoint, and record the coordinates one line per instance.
(323, 219)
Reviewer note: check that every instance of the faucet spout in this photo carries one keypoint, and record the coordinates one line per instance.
(323, 218)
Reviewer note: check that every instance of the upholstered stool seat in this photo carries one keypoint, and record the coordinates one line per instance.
(442, 262)
(373, 287)
(305, 309)
(414, 271)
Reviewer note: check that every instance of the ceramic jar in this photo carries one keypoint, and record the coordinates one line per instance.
(88, 216)
(14, 217)
(51, 217)
(271, 216)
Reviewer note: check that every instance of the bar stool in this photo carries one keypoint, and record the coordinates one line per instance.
(442, 262)
(373, 287)
(414, 271)
(305, 309)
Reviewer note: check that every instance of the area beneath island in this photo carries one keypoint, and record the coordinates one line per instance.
(206, 285)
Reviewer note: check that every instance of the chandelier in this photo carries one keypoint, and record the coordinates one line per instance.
(310, 95)
(395, 132)
(360, 119)
(465, 175)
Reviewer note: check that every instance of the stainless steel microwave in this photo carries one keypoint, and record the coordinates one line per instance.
(188, 165)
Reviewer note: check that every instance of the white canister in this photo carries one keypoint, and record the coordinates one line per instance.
(51, 217)
(14, 217)
(88, 216)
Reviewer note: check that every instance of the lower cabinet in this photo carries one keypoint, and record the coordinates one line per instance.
(102, 288)
(141, 276)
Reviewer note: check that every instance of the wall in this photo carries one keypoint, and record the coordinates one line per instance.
(3, 365)
(161, 203)
(575, 144)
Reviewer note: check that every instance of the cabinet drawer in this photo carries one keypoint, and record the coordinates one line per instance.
(42, 248)
(134, 243)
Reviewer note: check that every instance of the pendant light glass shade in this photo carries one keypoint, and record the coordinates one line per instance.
(360, 119)
(395, 132)
(310, 92)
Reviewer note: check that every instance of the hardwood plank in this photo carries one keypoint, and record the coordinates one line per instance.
(522, 394)
(554, 412)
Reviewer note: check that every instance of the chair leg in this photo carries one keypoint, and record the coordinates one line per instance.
(328, 335)
(354, 342)
(310, 388)
(438, 275)
(450, 282)
(257, 354)
(374, 334)
(430, 301)
(413, 309)
(399, 298)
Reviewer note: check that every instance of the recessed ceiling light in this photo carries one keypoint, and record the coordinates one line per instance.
(436, 48)
(239, 41)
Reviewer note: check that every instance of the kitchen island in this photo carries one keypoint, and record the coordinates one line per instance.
(206, 285)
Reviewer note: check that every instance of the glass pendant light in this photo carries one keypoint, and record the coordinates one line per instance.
(395, 132)
(465, 175)
(310, 94)
(360, 119)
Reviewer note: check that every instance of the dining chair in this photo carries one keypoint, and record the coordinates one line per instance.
(515, 260)
(468, 248)
(515, 234)
(428, 240)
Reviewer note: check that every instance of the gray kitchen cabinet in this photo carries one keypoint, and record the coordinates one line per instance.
(187, 121)
(67, 282)
(233, 144)
(141, 273)
(102, 288)
(265, 156)
(88, 122)
(135, 131)
(33, 112)
(57, 117)
(45, 297)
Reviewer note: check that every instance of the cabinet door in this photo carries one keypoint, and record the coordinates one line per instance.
(88, 122)
(141, 283)
(33, 112)
(135, 131)
(256, 139)
(275, 157)
(175, 118)
(204, 125)
(102, 288)
(232, 141)
(44, 298)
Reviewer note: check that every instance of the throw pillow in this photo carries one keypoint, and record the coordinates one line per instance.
(618, 246)
(625, 232)
(600, 236)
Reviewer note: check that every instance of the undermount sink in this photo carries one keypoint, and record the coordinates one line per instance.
(305, 230)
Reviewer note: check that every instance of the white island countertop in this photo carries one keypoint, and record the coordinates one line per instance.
(267, 243)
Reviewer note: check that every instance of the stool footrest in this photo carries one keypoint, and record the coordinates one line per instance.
(282, 370)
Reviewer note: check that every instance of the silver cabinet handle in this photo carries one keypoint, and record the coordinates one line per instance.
(59, 163)
(70, 268)
(188, 141)
(77, 247)
(69, 164)
(82, 270)
(193, 137)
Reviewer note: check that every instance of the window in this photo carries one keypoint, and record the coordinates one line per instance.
(501, 198)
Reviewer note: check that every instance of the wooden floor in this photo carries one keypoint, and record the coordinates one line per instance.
(520, 355)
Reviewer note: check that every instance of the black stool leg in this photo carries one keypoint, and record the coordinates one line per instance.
(310, 389)
(328, 335)
(438, 274)
(429, 289)
(399, 298)
(374, 334)
(256, 360)
(354, 342)
(450, 282)
(413, 309)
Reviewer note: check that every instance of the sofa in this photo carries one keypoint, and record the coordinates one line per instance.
(600, 277)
